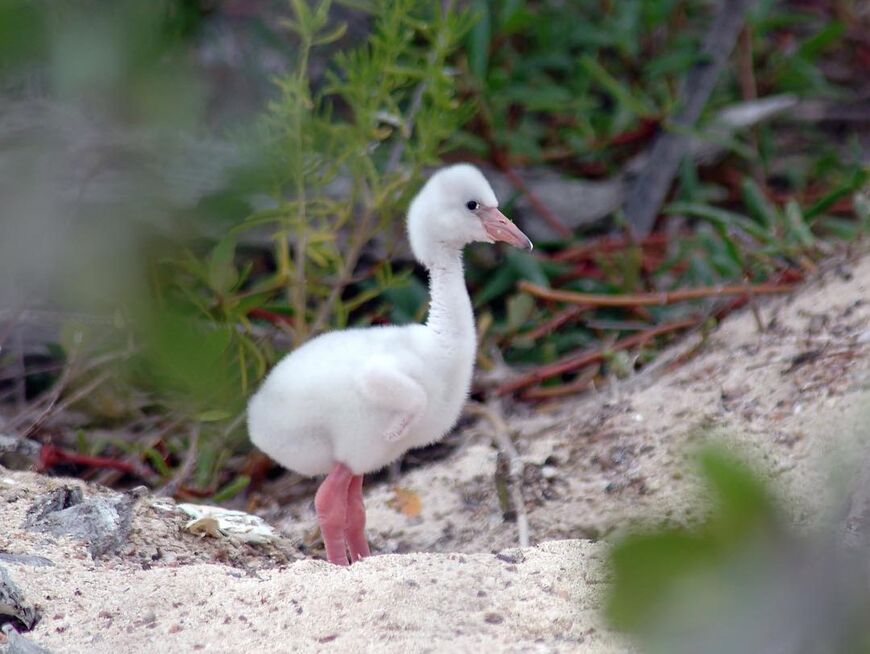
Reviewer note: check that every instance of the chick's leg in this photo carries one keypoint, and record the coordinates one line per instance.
(354, 531)
(331, 503)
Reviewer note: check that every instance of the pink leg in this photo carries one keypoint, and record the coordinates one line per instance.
(332, 512)
(355, 527)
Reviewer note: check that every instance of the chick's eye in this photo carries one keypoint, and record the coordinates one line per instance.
(471, 205)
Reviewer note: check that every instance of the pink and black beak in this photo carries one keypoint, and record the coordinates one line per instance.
(499, 228)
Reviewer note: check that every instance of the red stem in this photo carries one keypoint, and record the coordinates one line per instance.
(51, 455)
(575, 361)
(272, 317)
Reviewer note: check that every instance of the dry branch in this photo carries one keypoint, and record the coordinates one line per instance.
(185, 469)
(551, 325)
(492, 411)
(646, 194)
(584, 382)
(596, 355)
(654, 299)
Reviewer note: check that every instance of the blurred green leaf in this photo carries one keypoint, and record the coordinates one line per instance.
(232, 489)
(621, 93)
(157, 461)
(822, 40)
(498, 283)
(798, 229)
(723, 217)
(478, 39)
(519, 310)
(222, 273)
(192, 356)
(213, 415)
(652, 571)
(527, 266)
(758, 204)
(855, 182)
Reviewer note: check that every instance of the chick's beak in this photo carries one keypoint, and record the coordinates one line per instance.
(499, 228)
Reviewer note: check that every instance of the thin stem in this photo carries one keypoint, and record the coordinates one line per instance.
(361, 236)
(299, 294)
(493, 413)
(653, 299)
(551, 325)
(185, 469)
(596, 355)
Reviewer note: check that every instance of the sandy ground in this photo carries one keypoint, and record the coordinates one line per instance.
(795, 398)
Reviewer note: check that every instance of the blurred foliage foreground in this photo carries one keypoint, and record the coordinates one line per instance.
(742, 580)
(164, 242)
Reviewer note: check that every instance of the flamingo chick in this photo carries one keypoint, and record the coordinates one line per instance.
(350, 402)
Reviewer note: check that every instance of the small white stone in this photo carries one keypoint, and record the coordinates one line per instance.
(548, 472)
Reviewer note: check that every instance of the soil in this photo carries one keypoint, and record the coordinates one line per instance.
(448, 576)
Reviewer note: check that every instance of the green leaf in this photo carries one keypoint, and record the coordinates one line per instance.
(242, 305)
(519, 310)
(406, 300)
(478, 40)
(213, 415)
(158, 462)
(527, 266)
(855, 182)
(646, 567)
(232, 489)
(638, 105)
(797, 226)
(500, 282)
(721, 216)
(758, 204)
(332, 35)
(682, 578)
(222, 273)
(189, 355)
(814, 46)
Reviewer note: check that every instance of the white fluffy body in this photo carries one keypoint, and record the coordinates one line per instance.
(363, 397)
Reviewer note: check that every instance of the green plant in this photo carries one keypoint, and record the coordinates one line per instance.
(739, 580)
(337, 160)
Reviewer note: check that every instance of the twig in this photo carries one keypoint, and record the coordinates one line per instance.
(272, 317)
(51, 455)
(492, 411)
(653, 299)
(399, 146)
(596, 355)
(82, 392)
(584, 382)
(551, 325)
(110, 477)
(611, 244)
(749, 92)
(60, 385)
(646, 194)
(47, 402)
(361, 236)
(171, 487)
